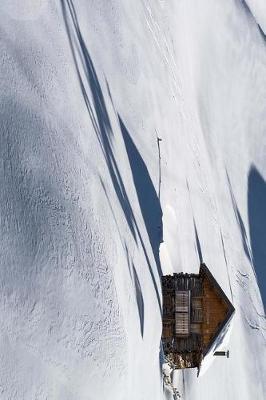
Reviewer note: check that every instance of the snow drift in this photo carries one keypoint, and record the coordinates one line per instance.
(88, 191)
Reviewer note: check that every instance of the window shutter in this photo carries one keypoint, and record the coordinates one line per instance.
(182, 301)
(182, 308)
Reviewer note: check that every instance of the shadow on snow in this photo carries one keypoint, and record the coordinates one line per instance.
(257, 226)
(94, 99)
(240, 222)
(138, 292)
(199, 251)
(256, 251)
(97, 108)
(147, 196)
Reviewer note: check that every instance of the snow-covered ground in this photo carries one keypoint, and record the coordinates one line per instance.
(88, 191)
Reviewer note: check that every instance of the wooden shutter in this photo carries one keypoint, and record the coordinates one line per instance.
(182, 324)
(182, 301)
(182, 314)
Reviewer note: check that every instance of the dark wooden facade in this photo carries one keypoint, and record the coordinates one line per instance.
(195, 309)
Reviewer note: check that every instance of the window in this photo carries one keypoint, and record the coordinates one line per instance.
(197, 315)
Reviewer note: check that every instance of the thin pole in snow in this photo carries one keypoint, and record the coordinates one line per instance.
(160, 170)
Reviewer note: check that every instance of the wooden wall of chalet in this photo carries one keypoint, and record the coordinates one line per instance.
(194, 307)
(214, 310)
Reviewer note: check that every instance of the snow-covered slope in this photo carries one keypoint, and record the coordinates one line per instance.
(87, 191)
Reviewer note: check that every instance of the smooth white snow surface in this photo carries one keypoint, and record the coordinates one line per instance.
(86, 89)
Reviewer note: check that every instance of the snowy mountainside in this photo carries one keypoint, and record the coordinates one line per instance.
(124, 124)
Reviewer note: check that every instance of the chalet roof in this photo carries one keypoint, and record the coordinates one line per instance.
(223, 327)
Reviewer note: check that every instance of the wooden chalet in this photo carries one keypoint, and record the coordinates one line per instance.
(196, 312)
